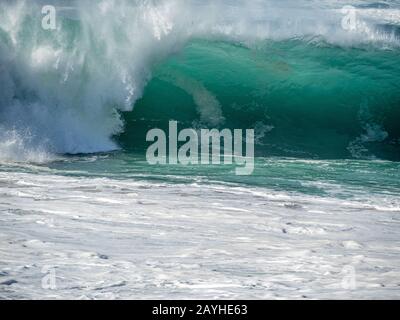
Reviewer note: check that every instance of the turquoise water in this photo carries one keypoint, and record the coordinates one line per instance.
(304, 98)
(373, 182)
(341, 178)
(76, 104)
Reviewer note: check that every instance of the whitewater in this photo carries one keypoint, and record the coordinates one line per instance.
(318, 218)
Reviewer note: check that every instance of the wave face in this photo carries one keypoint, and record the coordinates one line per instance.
(289, 68)
(304, 100)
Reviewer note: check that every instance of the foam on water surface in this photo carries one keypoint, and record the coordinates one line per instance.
(136, 238)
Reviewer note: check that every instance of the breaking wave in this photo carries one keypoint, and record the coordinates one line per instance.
(113, 69)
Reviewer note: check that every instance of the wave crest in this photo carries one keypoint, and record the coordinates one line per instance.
(66, 87)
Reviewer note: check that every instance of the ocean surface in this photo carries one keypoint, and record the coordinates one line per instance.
(318, 218)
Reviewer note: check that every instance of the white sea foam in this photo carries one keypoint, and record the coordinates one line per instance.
(113, 238)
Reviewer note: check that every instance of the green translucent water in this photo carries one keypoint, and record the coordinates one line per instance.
(305, 99)
(340, 179)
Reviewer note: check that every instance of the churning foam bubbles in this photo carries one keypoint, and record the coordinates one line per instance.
(15, 146)
(66, 87)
